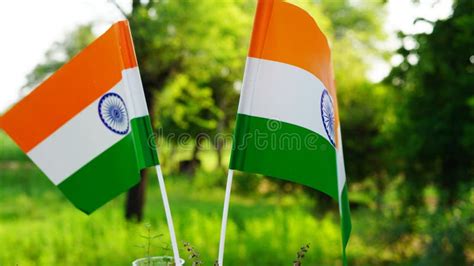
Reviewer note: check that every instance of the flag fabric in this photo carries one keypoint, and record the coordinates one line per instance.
(287, 122)
(87, 126)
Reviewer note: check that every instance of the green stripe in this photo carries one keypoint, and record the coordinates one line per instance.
(145, 146)
(114, 171)
(346, 225)
(271, 148)
(285, 151)
(108, 175)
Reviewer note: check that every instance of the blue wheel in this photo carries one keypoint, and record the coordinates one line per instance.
(113, 113)
(328, 117)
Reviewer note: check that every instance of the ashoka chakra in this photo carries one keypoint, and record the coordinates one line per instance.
(113, 113)
(328, 117)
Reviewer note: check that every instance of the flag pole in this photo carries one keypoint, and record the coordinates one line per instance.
(225, 213)
(169, 219)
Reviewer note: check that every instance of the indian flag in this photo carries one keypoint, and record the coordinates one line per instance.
(87, 126)
(287, 123)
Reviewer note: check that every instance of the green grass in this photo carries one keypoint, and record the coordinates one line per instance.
(39, 227)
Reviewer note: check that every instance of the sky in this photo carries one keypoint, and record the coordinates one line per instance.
(30, 27)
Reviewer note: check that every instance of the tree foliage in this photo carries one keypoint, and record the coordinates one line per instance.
(192, 47)
(435, 121)
(189, 109)
(192, 55)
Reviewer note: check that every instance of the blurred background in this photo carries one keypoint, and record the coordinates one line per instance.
(405, 81)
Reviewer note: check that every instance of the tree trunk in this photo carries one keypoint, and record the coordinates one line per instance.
(219, 153)
(136, 199)
(380, 184)
(195, 160)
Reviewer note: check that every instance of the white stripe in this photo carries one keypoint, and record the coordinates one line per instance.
(84, 137)
(283, 92)
(341, 170)
(137, 103)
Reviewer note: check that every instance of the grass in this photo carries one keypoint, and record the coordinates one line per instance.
(38, 226)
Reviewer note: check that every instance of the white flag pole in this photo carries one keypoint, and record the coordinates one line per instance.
(224, 216)
(169, 219)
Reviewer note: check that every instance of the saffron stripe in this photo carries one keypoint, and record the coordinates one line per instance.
(274, 38)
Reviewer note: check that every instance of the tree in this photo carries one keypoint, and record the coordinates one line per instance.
(436, 115)
(355, 31)
(192, 54)
(206, 42)
(186, 110)
(200, 44)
